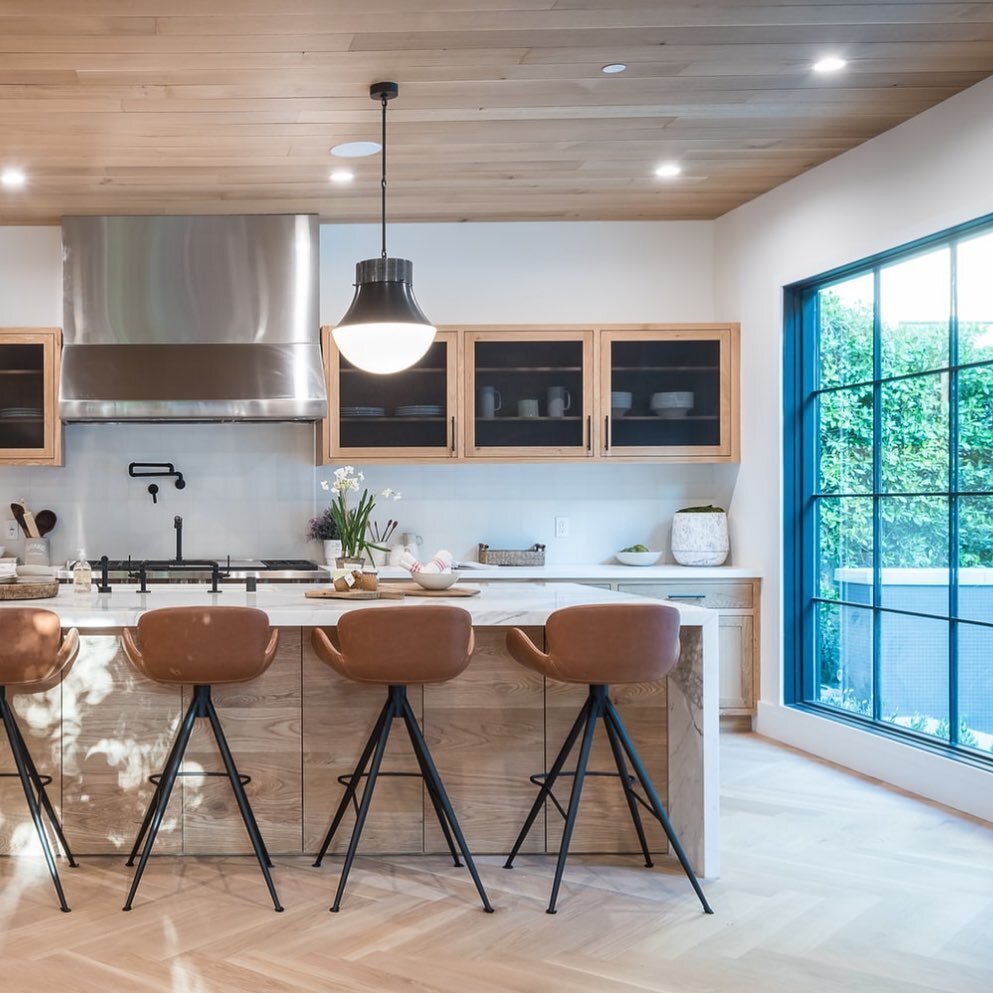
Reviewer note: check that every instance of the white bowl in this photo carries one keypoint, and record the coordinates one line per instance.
(637, 558)
(616, 412)
(435, 580)
(683, 399)
(620, 398)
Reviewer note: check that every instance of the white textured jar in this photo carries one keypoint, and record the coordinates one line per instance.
(700, 539)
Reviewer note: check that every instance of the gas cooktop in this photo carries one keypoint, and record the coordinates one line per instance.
(268, 570)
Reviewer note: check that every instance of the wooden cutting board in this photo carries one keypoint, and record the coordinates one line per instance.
(412, 589)
(29, 591)
(353, 594)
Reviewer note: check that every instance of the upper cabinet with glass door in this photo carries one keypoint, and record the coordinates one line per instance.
(30, 431)
(405, 415)
(528, 394)
(669, 393)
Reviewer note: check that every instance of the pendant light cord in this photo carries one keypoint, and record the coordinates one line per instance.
(383, 182)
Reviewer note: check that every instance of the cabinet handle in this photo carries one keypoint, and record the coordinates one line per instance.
(453, 434)
(606, 433)
(686, 596)
(589, 432)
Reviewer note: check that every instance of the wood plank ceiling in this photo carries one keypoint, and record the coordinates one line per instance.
(188, 106)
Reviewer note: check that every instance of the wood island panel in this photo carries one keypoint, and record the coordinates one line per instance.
(296, 729)
(261, 721)
(486, 732)
(604, 822)
(338, 717)
(38, 715)
(117, 728)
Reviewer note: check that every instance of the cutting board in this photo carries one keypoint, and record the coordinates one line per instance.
(392, 591)
(412, 589)
(353, 595)
(28, 591)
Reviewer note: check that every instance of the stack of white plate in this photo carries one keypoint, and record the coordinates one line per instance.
(420, 410)
(620, 403)
(363, 411)
(672, 405)
(17, 413)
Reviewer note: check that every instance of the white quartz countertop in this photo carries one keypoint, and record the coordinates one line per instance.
(611, 572)
(286, 606)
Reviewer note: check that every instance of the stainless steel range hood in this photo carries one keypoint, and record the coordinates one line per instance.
(206, 318)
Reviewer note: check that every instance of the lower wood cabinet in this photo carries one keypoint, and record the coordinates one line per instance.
(738, 604)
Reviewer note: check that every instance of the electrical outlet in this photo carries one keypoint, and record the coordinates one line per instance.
(561, 527)
(10, 531)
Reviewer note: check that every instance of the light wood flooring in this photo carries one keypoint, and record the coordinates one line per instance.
(830, 882)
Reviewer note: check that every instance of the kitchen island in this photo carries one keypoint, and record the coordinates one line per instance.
(296, 729)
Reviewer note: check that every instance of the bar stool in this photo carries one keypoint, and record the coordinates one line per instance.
(600, 644)
(397, 648)
(204, 647)
(33, 653)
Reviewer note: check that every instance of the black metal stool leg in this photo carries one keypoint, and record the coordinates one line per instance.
(622, 771)
(13, 737)
(546, 788)
(614, 718)
(438, 809)
(46, 803)
(427, 764)
(239, 794)
(353, 783)
(165, 790)
(593, 715)
(377, 760)
(150, 809)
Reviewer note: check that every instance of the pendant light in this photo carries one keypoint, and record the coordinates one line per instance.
(384, 330)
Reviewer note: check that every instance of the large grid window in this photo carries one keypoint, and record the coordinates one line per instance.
(890, 472)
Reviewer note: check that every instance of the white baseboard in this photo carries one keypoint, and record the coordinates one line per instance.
(955, 784)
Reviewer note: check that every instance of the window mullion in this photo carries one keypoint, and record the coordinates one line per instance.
(953, 505)
(877, 485)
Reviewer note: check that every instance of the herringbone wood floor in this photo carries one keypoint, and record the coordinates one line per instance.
(830, 883)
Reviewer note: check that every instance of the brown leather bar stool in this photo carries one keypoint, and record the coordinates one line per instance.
(203, 647)
(397, 648)
(600, 644)
(33, 653)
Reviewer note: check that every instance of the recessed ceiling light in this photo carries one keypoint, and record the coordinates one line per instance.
(830, 63)
(613, 67)
(667, 170)
(341, 175)
(356, 149)
(13, 179)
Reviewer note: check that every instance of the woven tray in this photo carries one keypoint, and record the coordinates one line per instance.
(29, 591)
(535, 555)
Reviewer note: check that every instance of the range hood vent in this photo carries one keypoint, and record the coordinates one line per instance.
(206, 318)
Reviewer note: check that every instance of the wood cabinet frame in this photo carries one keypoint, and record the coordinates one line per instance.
(329, 446)
(584, 450)
(728, 337)
(597, 340)
(51, 341)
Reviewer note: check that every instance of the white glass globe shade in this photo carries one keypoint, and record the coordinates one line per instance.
(383, 348)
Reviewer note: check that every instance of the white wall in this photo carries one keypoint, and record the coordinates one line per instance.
(930, 173)
(252, 488)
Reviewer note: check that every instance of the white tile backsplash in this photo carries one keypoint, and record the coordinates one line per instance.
(251, 489)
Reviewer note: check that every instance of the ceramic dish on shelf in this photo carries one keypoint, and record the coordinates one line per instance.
(419, 410)
(363, 411)
(435, 580)
(637, 558)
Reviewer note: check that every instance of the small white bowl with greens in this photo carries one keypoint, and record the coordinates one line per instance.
(637, 555)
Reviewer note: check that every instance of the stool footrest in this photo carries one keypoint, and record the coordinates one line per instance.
(539, 777)
(44, 780)
(156, 778)
(347, 779)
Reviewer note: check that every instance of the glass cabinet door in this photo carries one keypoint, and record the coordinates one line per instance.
(668, 393)
(27, 396)
(529, 394)
(408, 414)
